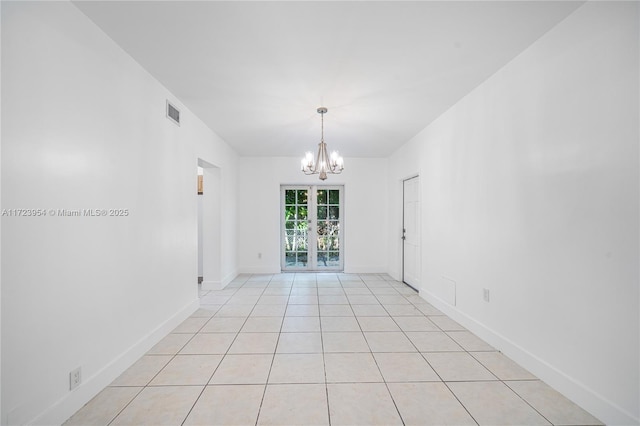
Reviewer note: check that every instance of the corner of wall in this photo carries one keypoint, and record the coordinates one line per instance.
(555, 378)
(64, 408)
(229, 277)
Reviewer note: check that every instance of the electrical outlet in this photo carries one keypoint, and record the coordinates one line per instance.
(75, 378)
(485, 294)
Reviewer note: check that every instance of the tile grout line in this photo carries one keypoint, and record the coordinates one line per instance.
(525, 401)
(266, 384)
(221, 359)
(376, 361)
(431, 366)
(324, 363)
(445, 383)
(145, 386)
(304, 284)
(125, 406)
(173, 356)
(378, 365)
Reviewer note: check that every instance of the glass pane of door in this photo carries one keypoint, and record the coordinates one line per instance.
(328, 247)
(296, 225)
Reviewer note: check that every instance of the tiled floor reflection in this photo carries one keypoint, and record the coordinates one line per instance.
(339, 349)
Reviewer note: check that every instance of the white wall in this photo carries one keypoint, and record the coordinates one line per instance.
(365, 211)
(530, 189)
(86, 128)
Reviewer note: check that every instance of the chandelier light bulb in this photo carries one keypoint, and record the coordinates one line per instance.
(307, 161)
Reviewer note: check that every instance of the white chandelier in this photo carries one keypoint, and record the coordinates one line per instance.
(324, 163)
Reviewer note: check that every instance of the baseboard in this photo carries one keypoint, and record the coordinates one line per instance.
(211, 285)
(260, 270)
(347, 270)
(587, 398)
(365, 270)
(219, 285)
(64, 408)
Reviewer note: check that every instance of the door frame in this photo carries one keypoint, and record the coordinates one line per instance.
(313, 220)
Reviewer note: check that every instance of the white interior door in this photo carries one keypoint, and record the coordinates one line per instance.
(311, 225)
(411, 232)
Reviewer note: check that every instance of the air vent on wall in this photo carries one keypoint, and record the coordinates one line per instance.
(173, 113)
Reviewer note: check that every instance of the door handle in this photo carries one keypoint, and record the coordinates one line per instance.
(403, 236)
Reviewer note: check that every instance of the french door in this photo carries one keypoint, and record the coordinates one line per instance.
(310, 226)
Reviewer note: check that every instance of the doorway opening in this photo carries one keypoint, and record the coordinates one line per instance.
(209, 226)
(312, 228)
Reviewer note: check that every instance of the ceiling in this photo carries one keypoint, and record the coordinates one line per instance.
(255, 72)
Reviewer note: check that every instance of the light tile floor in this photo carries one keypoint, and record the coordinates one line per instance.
(339, 349)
